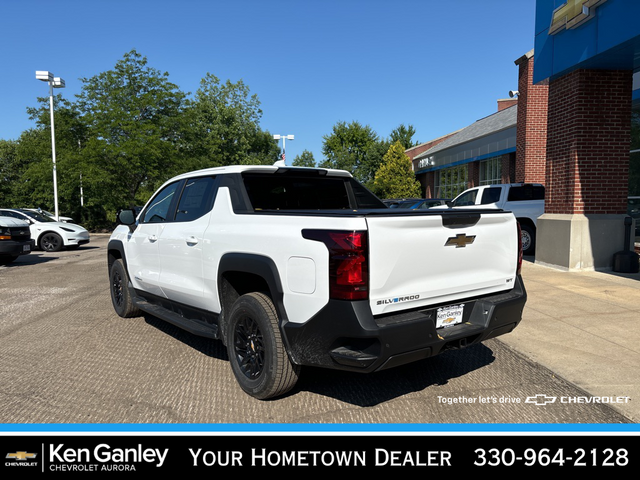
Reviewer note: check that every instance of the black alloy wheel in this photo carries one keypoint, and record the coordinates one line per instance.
(249, 347)
(51, 242)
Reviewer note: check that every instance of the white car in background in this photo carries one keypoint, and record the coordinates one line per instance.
(49, 214)
(48, 234)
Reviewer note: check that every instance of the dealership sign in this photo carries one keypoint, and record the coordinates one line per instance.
(573, 14)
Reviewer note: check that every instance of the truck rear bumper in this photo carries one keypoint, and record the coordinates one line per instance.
(345, 335)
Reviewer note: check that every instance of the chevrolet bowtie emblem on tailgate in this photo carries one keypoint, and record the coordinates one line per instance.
(460, 240)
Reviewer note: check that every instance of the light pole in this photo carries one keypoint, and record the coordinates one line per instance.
(284, 139)
(54, 82)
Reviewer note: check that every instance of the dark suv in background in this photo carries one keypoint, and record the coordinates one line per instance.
(15, 239)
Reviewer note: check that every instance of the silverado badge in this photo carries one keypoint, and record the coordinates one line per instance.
(460, 240)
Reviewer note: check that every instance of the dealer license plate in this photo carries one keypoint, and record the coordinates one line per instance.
(26, 248)
(448, 316)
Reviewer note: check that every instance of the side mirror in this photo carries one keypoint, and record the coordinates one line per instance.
(127, 217)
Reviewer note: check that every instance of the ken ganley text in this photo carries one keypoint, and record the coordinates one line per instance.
(104, 457)
(261, 457)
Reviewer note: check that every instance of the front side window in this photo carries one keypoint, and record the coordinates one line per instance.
(467, 198)
(158, 210)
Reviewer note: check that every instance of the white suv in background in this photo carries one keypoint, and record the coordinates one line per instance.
(524, 200)
(49, 214)
(48, 234)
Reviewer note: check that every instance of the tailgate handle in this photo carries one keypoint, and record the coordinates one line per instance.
(460, 220)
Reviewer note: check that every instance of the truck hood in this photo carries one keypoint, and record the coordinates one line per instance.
(12, 222)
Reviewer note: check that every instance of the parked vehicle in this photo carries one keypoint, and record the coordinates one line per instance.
(395, 202)
(416, 203)
(51, 215)
(525, 200)
(293, 267)
(48, 234)
(15, 239)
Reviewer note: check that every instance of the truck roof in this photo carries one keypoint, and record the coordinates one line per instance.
(259, 168)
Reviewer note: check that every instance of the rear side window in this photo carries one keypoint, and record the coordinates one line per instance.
(526, 192)
(196, 199)
(490, 195)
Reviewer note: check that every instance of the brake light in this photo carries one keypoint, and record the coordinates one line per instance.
(348, 265)
(519, 267)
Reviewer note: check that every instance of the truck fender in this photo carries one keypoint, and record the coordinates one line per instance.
(115, 250)
(240, 273)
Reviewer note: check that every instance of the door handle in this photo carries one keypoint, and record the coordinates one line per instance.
(191, 240)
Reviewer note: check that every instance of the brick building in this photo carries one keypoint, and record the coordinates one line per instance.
(587, 53)
(575, 128)
(482, 153)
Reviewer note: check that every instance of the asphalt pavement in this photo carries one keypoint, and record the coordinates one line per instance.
(585, 327)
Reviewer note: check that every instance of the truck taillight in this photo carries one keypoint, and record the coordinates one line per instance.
(348, 265)
(519, 267)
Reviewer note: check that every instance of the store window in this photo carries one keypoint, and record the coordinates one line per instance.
(633, 205)
(634, 159)
(491, 171)
(451, 181)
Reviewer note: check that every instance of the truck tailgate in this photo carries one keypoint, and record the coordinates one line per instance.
(439, 258)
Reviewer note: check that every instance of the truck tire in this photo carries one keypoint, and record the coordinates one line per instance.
(120, 293)
(257, 354)
(528, 235)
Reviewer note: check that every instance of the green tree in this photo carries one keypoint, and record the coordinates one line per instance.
(35, 162)
(404, 135)
(305, 159)
(395, 177)
(355, 148)
(221, 127)
(133, 115)
(9, 170)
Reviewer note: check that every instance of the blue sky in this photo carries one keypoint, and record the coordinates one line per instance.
(436, 65)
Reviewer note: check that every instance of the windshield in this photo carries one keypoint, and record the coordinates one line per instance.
(37, 217)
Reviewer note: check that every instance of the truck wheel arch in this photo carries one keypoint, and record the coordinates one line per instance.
(528, 228)
(241, 273)
(115, 250)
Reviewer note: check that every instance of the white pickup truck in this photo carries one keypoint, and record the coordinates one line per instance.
(293, 267)
(524, 200)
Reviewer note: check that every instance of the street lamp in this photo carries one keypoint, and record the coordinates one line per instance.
(284, 139)
(54, 82)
